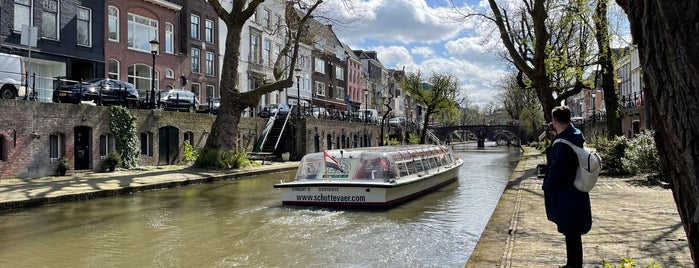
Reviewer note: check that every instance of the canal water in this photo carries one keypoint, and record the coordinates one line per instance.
(242, 223)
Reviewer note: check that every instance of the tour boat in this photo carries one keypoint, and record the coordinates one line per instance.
(370, 177)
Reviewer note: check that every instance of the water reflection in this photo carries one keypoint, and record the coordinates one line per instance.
(242, 223)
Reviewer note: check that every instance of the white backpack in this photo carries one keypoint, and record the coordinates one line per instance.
(590, 164)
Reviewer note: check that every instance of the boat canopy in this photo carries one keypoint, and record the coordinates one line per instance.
(373, 164)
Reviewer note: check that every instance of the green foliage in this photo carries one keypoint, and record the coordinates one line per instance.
(612, 151)
(63, 166)
(413, 139)
(222, 159)
(392, 142)
(111, 162)
(626, 263)
(641, 155)
(190, 155)
(630, 156)
(123, 126)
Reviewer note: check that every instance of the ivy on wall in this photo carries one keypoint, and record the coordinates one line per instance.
(123, 126)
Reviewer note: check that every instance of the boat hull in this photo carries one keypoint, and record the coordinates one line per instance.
(346, 194)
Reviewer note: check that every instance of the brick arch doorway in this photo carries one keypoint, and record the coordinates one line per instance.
(168, 145)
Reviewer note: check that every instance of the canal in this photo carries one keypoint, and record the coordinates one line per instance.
(242, 223)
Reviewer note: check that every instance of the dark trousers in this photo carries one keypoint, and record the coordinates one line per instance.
(574, 251)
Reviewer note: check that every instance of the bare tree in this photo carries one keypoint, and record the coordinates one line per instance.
(668, 44)
(224, 130)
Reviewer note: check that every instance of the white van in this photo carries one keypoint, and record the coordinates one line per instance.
(369, 115)
(11, 69)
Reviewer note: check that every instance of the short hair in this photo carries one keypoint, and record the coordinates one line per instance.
(561, 114)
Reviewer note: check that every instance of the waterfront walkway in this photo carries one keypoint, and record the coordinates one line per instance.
(19, 193)
(631, 218)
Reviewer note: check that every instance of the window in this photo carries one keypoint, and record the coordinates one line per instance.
(169, 38)
(340, 93)
(210, 63)
(113, 69)
(113, 22)
(141, 31)
(339, 73)
(320, 66)
(49, 19)
(22, 14)
(194, 26)
(195, 60)
(189, 137)
(266, 19)
(210, 91)
(320, 88)
(146, 139)
(209, 34)
(254, 48)
(56, 148)
(266, 47)
(84, 23)
(106, 144)
(140, 76)
(196, 88)
(277, 21)
(169, 73)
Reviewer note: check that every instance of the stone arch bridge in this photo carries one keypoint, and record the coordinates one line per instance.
(512, 133)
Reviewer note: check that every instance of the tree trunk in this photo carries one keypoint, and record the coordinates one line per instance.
(611, 97)
(667, 37)
(224, 130)
(423, 134)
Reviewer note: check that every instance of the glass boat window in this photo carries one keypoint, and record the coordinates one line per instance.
(418, 165)
(411, 167)
(403, 169)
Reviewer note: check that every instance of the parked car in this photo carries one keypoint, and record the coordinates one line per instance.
(11, 69)
(270, 110)
(397, 121)
(178, 100)
(215, 104)
(101, 91)
(320, 112)
(369, 116)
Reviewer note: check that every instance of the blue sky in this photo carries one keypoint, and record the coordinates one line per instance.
(420, 35)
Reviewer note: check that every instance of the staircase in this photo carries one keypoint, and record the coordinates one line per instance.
(433, 137)
(268, 142)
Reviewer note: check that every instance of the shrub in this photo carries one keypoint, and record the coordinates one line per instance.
(222, 159)
(190, 155)
(641, 155)
(626, 263)
(612, 151)
(111, 162)
(63, 166)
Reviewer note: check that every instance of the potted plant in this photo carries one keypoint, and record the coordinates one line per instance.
(63, 166)
(111, 161)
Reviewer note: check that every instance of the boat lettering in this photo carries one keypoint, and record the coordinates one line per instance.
(328, 189)
(300, 189)
(331, 198)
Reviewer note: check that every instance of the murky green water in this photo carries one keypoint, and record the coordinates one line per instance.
(242, 223)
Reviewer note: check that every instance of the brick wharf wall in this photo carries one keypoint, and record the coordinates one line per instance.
(26, 127)
(330, 134)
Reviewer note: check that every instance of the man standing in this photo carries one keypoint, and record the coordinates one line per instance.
(566, 206)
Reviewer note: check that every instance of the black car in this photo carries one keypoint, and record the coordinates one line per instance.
(101, 91)
(178, 100)
(272, 109)
(215, 104)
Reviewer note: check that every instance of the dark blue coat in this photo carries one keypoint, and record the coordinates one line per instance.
(566, 206)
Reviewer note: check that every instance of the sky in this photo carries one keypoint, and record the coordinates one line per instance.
(423, 35)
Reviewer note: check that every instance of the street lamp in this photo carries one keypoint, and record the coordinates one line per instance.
(594, 115)
(297, 73)
(154, 45)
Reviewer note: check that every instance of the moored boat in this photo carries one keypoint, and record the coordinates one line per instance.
(370, 177)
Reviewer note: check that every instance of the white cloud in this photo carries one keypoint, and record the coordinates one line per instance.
(422, 51)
